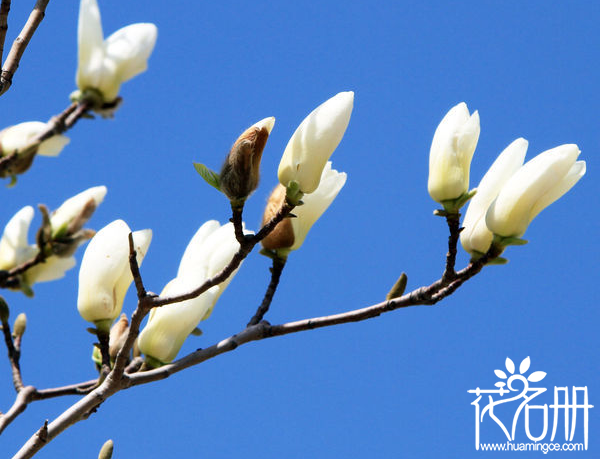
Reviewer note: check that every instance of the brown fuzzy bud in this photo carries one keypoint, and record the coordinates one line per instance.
(282, 236)
(240, 173)
(118, 334)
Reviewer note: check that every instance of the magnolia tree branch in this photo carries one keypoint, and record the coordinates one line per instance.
(4, 10)
(118, 380)
(18, 48)
(57, 125)
(276, 270)
(453, 221)
(13, 357)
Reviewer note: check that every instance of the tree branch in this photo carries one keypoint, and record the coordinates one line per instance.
(57, 125)
(18, 48)
(22, 400)
(453, 220)
(245, 248)
(4, 10)
(276, 270)
(13, 357)
(117, 380)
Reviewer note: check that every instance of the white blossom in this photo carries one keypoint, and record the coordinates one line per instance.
(313, 142)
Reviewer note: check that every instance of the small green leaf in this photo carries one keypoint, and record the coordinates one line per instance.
(211, 177)
(13, 181)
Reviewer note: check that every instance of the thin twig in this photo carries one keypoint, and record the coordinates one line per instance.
(57, 125)
(18, 48)
(13, 357)
(236, 219)
(103, 343)
(276, 270)
(114, 383)
(73, 389)
(4, 9)
(239, 256)
(135, 269)
(453, 220)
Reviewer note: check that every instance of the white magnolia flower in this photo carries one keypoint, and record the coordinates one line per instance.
(104, 276)
(15, 250)
(210, 250)
(72, 207)
(476, 237)
(105, 64)
(532, 188)
(18, 137)
(314, 141)
(451, 152)
(290, 233)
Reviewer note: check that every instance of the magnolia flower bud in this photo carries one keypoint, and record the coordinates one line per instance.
(210, 250)
(476, 238)
(105, 64)
(104, 276)
(290, 233)
(532, 188)
(240, 173)
(18, 137)
(20, 325)
(313, 142)
(106, 451)
(451, 152)
(70, 217)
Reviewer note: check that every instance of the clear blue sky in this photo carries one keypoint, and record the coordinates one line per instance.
(395, 386)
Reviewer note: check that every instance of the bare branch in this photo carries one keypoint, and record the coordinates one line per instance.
(135, 269)
(276, 270)
(18, 48)
(13, 357)
(4, 10)
(73, 389)
(57, 125)
(245, 248)
(453, 220)
(21, 401)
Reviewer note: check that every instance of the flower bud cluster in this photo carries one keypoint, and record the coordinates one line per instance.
(510, 195)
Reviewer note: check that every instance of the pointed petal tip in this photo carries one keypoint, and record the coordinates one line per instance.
(266, 123)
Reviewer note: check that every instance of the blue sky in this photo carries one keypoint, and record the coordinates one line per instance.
(394, 386)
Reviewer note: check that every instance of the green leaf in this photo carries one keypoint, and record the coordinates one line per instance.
(211, 177)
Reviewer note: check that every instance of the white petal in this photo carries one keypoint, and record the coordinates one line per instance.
(73, 206)
(53, 146)
(194, 259)
(510, 213)
(170, 325)
(89, 40)
(314, 141)
(53, 268)
(130, 48)
(568, 181)
(476, 236)
(266, 123)
(14, 248)
(316, 203)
